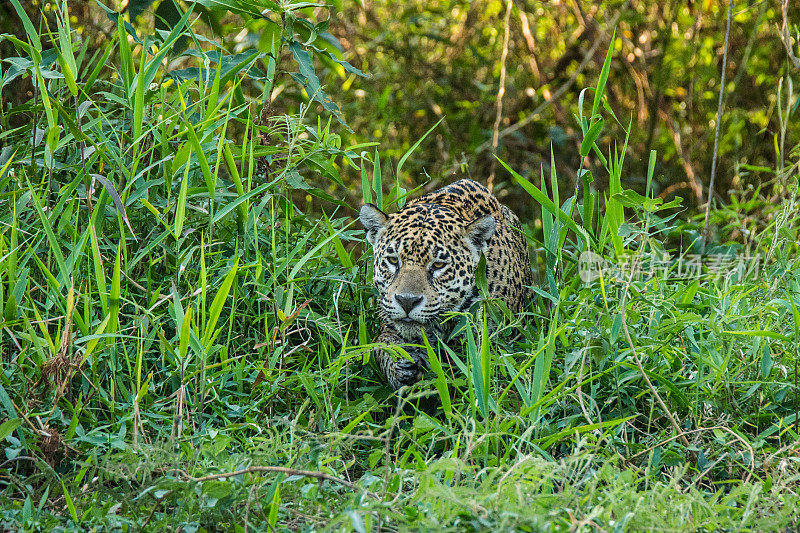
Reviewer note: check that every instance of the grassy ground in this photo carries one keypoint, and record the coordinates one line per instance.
(187, 316)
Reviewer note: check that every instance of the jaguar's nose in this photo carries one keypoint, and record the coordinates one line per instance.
(408, 301)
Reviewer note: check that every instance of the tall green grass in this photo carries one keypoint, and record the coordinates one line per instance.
(184, 295)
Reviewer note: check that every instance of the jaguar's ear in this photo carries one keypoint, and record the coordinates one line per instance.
(479, 231)
(373, 220)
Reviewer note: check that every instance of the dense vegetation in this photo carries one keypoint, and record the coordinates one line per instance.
(185, 306)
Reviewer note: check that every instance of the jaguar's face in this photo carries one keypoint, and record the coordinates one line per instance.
(425, 257)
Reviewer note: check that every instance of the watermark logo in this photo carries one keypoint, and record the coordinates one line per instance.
(592, 266)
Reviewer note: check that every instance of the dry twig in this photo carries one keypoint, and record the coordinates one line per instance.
(694, 182)
(719, 120)
(526, 32)
(500, 93)
(785, 36)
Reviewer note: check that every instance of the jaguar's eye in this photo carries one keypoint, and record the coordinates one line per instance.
(437, 265)
(393, 261)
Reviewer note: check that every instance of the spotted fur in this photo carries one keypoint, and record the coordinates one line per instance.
(425, 258)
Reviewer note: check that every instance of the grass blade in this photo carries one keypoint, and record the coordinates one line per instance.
(601, 82)
(218, 303)
(547, 203)
(441, 380)
(55, 244)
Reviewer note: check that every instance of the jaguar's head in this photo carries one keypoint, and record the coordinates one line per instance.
(425, 258)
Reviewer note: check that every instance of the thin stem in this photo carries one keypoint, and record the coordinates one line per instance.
(719, 119)
(500, 93)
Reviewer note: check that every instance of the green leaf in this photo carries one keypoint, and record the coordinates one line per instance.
(477, 374)
(631, 198)
(601, 82)
(197, 147)
(486, 360)
(547, 203)
(8, 427)
(591, 136)
(651, 165)
(307, 77)
(55, 244)
(185, 329)
(114, 296)
(347, 66)
(548, 441)
(125, 58)
(344, 258)
(353, 423)
(148, 74)
(70, 505)
(64, 49)
(180, 208)
(377, 182)
(33, 35)
(766, 361)
(441, 380)
(414, 147)
(795, 314)
(10, 311)
(241, 200)
(587, 215)
(138, 100)
(366, 187)
(93, 339)
(250, 8)
(241, 206)
(480, 277)
(7, 404)
(112, 192)
(760, 333)
(218, 303)
(274, 506)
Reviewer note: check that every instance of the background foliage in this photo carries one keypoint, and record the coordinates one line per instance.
(185, 301)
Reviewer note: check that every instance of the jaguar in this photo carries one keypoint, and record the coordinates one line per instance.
(425, 256)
